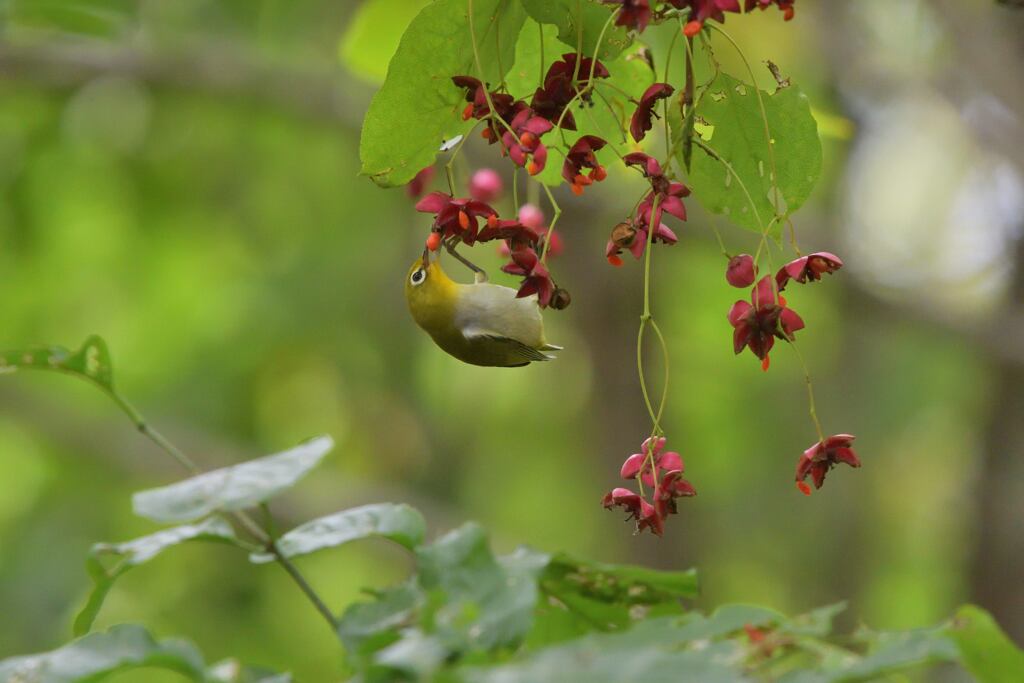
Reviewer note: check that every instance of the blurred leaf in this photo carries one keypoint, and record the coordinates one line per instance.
(91, 361)
(984, 649)
(372, 35)
(729, 120)
(86, 17)
(372, 623)
(614, 658)
(486, 601)
(587, 596)
(399, 523)
(233, 671)
(139, 551)
(100, 654)
(891, 652)
(418, 106)
(231, 488)
(571, 17)
(816, 623)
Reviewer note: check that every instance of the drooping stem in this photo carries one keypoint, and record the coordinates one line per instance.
(812, 409)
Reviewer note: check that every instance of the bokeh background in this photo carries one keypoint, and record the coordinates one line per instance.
(181, 177)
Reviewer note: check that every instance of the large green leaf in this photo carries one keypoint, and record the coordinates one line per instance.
(98, 655)
(418, 107)
(231, 488)
(373, 34)
(731, 125)
(579, 21)
(399, 523)
(91, 361)
(984, 649)
(135, 552)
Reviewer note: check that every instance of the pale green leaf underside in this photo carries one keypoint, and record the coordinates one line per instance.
(231, 488)
(399, 523)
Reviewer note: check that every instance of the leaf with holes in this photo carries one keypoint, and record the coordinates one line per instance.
(730, 126)
(587, 596)
(135, 552)
(399, 523)
(231, 488)
(579, 21)
(91, 361)
(418, 107)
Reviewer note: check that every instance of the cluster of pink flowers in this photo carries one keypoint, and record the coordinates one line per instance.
(665, 197)
(661, 472)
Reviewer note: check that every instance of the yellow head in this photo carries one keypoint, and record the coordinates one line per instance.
(431, 295)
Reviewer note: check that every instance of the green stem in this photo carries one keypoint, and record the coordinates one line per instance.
(812, 409)
(556, 213)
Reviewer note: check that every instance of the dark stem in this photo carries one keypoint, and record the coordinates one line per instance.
(450, 248)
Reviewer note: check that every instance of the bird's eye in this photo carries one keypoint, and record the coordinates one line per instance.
(418, 276)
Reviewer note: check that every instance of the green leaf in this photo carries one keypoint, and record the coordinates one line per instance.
(366, 627)
(573, 17)
(373, 34)
(91, 361)
(231, 488)
(729, 122)
(100, 654)
(487, 602)
(418, 107)
(984, 649)
(399, 523)
(139, 551)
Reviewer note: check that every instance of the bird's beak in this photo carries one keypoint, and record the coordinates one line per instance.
(426, 257)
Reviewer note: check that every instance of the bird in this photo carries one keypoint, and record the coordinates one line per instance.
(480, 323)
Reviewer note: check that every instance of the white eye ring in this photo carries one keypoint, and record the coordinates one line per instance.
(417, 277)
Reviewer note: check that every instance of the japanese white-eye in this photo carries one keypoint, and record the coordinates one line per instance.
(480, 323)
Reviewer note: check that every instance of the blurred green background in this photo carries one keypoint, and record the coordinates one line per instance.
(180, 177)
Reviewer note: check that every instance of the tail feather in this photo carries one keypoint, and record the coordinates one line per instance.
(551, 347)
